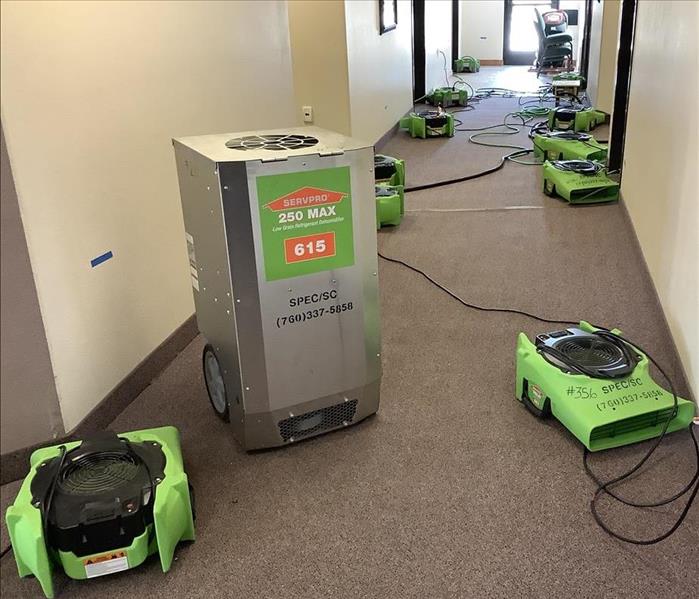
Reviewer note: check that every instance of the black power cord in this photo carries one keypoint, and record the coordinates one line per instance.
(48, 499)
(626, 347)
(519, 151)
(495, 168)
(510, 128)
(469, 305)
(603, 487)
(133, 453)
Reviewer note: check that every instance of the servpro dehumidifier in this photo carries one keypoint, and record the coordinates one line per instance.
(579, 181)
(568, 145)
(389, 205)
(101, 505)
(281, 234)
(429, 123)
(597, 386)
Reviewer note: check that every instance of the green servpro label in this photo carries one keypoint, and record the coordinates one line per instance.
(306, 222)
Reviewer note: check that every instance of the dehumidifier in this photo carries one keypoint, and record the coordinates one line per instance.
(281, 234)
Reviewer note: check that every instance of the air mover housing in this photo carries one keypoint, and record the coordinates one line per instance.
(624, 406)
(447, 96)
(571, 76)
(102, 505)
(576, 187)
(467, 64)
(281, 233)
(388, 169)
(568, 145)
(429, 123)
(575, 119)
(389, 205)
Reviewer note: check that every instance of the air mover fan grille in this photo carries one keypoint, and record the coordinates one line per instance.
(98, 473)
(433, 118)
(311, 423)
(272, 142)
(591, 352)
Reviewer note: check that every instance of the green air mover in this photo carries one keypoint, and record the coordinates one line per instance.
(389, 205)
(583, 119)
(429, 123)
(102, 505)
(572, 76)
(579, 181)
(597, 386)
(447, 96)
(388, 169)
(467, 64)
(568, 145)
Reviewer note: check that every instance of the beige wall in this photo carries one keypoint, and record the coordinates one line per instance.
(320, 76)
(380, 68)
(606, 81)
(361, 83)
(92, 93)
(482, 19)
(437, 41)
(29, 411)
(660, 181)
(604, 42)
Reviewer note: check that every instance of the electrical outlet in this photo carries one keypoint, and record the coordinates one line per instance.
(307, 114)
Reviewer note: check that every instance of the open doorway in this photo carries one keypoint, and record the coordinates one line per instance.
(521, 41)
(503, 36)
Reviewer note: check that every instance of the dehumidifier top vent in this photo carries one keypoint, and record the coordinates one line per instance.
(287, 141)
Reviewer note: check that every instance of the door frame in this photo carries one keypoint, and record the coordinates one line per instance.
(517, 58)
(617, 133)
(418, 49)
(455, 30)
(584, 62)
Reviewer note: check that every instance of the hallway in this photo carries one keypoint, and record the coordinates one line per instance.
(411, 503)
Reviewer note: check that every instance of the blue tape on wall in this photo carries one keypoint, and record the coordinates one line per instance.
(103, 258)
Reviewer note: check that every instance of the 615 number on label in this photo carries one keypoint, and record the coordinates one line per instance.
(309, 247)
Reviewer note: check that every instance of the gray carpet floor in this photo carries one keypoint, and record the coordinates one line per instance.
(453, 489)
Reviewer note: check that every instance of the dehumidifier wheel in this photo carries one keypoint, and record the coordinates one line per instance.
(215, 386)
